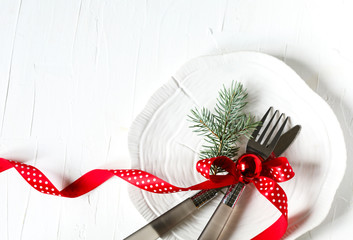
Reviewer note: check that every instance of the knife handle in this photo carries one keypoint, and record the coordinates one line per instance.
(171, 218)
(165, 222)
(220, 217)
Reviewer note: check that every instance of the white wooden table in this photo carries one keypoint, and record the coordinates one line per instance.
(74, 75)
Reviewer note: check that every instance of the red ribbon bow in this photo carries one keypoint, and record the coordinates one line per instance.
(249, 169)
(265, 176)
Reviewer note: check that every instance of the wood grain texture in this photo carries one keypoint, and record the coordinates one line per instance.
(74, 74)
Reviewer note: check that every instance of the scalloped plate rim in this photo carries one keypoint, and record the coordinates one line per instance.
(163, 93)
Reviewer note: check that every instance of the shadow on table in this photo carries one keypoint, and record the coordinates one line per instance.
(316, 80)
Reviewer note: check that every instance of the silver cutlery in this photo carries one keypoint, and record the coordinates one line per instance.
(260, 146)
(177, 214)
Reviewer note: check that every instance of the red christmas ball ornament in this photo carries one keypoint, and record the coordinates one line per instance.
(249, 167)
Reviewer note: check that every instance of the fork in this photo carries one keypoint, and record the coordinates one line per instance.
(260, 147)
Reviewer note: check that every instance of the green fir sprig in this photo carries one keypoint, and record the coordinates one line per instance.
(223, 128)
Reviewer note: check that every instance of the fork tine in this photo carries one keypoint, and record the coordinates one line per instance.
(268, 125)
(272, 130)
(278, 135)
(254, 134)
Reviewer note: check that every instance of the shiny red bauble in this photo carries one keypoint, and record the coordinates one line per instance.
(249, 167)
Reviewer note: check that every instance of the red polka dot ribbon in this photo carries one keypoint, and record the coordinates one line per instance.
(136, 177)
(263, 175)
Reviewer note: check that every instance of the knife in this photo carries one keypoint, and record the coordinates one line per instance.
(220, 217)
(171, 218)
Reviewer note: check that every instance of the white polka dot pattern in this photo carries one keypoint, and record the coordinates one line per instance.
(278, 169)
(36, 178)
(273, 192)
(94, 178)
(273, 171)
(145, 181)
(204, 166)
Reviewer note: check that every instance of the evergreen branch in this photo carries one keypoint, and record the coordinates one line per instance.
(223, 129)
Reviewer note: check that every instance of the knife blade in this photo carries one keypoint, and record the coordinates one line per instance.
(219, 219)
(162, 224)
(286, 140)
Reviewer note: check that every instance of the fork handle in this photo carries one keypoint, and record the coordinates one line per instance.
(220, 217)
(216, 224)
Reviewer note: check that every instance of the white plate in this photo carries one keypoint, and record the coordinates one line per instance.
(162, 143)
